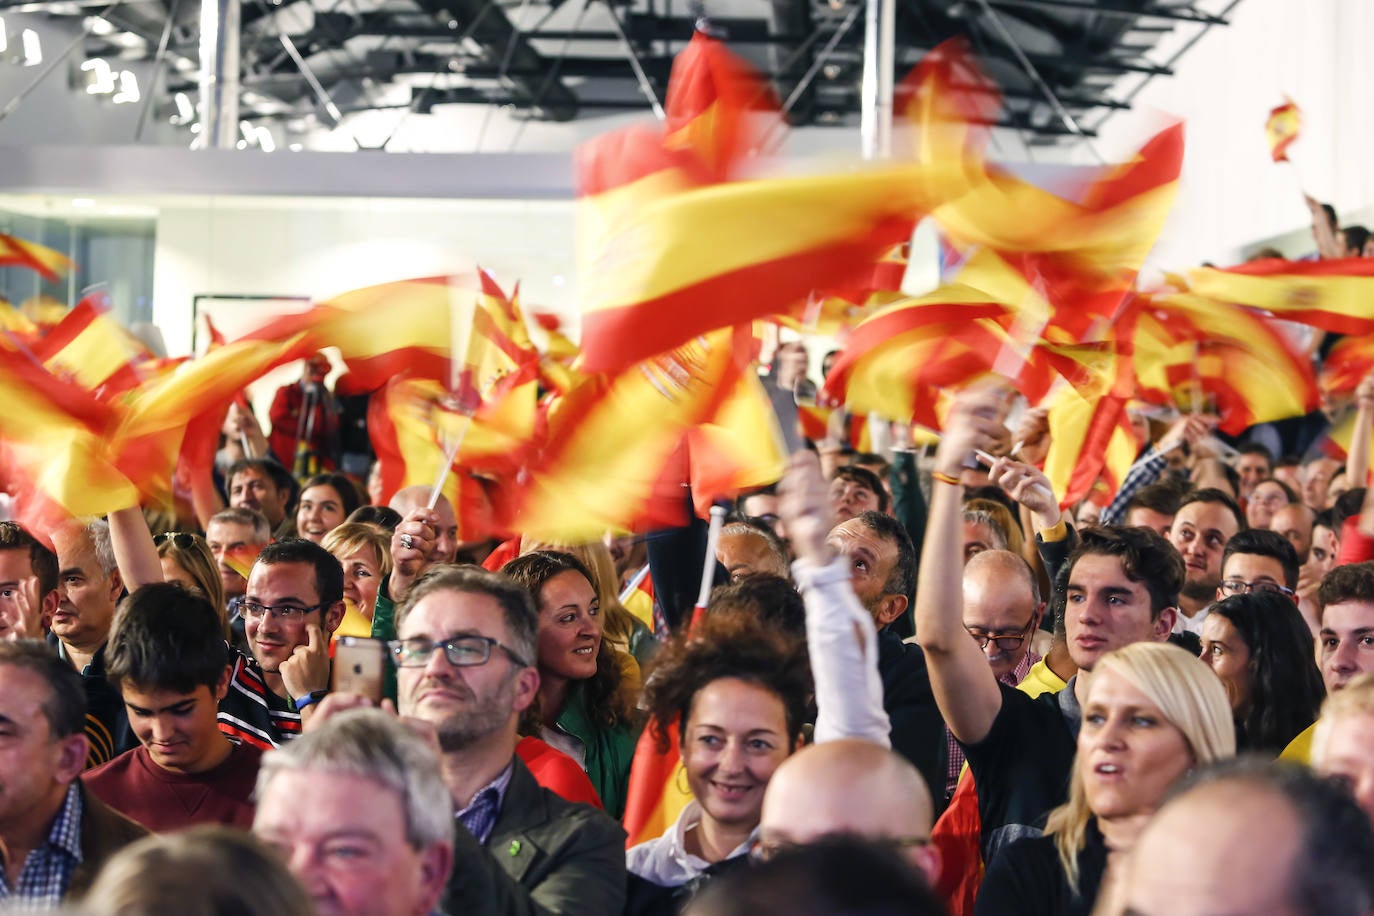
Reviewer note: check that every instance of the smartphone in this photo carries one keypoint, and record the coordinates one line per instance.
(359, 664)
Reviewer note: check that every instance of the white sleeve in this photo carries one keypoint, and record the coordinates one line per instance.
(843, 644)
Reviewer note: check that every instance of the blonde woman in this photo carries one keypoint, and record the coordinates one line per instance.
(364, 551)
(1153, 712)
(186, 558)
(1343, 746)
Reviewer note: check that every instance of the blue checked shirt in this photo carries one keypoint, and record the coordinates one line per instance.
(48, 868)
(481, 813)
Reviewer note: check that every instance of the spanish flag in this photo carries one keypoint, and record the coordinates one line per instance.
(93, 349)
(1282, 129)
(1350, 360)
(49, 264)
(1335, 295)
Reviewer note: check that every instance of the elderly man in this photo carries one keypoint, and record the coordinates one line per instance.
(1199, 855)
(235, 538)
(89, 587)
(850, 787)
(54, 834)
(360, 812)
(751, 547)
(466, 657)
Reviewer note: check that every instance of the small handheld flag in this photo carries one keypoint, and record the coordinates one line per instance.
(1282, 128)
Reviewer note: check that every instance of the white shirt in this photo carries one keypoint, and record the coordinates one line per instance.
(1185, 624)
(665, 860)
(843, 644)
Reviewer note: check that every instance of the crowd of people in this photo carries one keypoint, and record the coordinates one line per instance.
(919, 685)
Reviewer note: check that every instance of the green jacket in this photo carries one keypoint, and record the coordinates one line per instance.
(546, 856)
(610, 751)
(384, 628)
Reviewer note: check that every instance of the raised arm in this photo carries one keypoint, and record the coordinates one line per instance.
(135, 553)
(840, 634)
(1357, 462)
(964, 685)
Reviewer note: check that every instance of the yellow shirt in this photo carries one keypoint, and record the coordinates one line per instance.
(1040, 679)
(1299, 750)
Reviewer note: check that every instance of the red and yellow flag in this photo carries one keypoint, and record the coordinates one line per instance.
(1335, 295)
(1282, 129)
(49, 264)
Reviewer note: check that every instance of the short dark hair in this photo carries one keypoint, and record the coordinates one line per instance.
(65, 706)
(329, 579)
(872, 458)
(1145, 557)
(517, 607)
(43, 562)
(1330, 212)
(166, 638)
(1156, 497)
(864, 478)
(1351, 582)
(347, 489)
(838, 874)
(1213, 495)
(1256, 448)
(727, 646)
(771, 599)
(1355, 237)
(1263, 543)
(1330, 874)
(1286, 688)
(902, 579)
(281, 477)
(381, 516)
(1287, 490)
(1348, 504)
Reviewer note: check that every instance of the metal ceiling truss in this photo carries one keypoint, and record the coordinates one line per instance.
(1062, 66)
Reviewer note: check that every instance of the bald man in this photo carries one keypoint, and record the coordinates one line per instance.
(1002, 610)
(850, 787)
(1252, 837)
(424, 537)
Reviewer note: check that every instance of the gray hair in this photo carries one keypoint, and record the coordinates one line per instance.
(99, 533)
(372, 745)
(240, 515)
(984, 517)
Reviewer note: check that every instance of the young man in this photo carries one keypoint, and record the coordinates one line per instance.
(264, 486)
(293, 604)
(1345, 639)
(1122, 588)
(28, 584)
(1205, 521)
(167, 655)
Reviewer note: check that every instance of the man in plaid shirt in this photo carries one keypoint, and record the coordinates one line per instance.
(53, 835)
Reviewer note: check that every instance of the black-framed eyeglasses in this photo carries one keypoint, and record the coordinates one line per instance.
(180, 539)
(283, 612)
(761, 850)
(1006, 643)
(460, 651)
(1241, 587)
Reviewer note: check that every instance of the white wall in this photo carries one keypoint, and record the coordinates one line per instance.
(1315, 51)
(321, 247)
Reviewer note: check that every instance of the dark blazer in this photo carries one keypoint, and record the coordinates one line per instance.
(104, 832)
(545, 856)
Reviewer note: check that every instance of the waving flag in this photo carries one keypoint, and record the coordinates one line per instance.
(1282, 129)
(1335, 295)
(49, 264)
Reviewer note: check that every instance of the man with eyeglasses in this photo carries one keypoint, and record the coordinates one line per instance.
(465, 658)
(1258, 560)
(1002, 609)
(292, 605)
